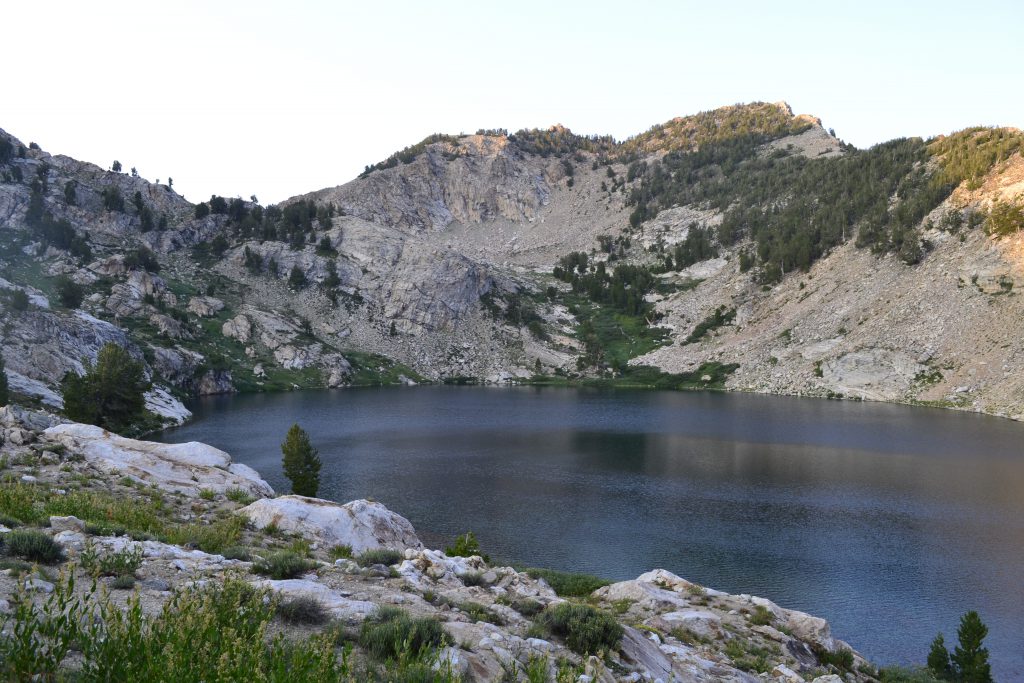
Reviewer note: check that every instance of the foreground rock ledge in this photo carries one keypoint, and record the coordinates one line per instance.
(361, 525)
(184, 467)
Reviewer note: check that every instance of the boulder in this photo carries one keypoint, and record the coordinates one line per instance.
(238, 328)
(186, 467)
(360, 524)
(205, 306)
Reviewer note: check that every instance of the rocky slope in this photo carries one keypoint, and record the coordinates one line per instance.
(96, 495)
(437, 264)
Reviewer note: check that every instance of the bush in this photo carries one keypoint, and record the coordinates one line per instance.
(340, 552)
(384, 556)
(122, 563)
(217, 632)
(123, 582)
(283, 565)
(842, 658)
(237, 552)
(567, 584)
(240, 496)
(207, 494)
(391, 631)
(302, 610)
(33, 546)
(473, 579)
(19, 300)
(478, 612)
(585, 629)
(464, 546)
(69, 292)
(762, 616)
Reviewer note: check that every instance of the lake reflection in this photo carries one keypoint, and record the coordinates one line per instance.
(889, 521)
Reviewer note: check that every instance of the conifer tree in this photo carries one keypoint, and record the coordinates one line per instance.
(4, 393)
(301, 462)
(970, 659)
(938, 659)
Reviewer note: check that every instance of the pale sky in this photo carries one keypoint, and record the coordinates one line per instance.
(280, 98)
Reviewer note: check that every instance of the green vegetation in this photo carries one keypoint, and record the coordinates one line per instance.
(301, 462)
(34, 546)
(384, 556)
(105, 513)
(585, 629)
(719, 318)
(240, 496)
(283, 564)
(409, 154)
(218, 632)
(568, 584)
(758, 120)
(969, 661)
(390, 631)
(465, 545)
(4, 389)
(969, 154)
(109, 394)
(560, 141)
(842, 658)
(1004, 218)
(748, 656)
(302, 610)
(69, 292)
(121, 563)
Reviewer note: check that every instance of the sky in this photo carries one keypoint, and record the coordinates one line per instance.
(275, 99)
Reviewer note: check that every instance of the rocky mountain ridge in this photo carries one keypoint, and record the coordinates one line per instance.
(437, 264)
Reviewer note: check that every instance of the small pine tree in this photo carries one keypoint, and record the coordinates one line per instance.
(69, 292)
(301, 462)
(938, 659)
(969, 658)
(4, 392)
(19, 300)
(296, 278)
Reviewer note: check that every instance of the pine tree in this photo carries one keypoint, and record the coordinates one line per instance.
(4, 393)
(970, 659)
(938, 659)
(301, 462)
(109, 394)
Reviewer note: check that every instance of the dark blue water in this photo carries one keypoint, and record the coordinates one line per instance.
(889, 521)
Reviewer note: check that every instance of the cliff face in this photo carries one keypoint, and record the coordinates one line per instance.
(438, 264)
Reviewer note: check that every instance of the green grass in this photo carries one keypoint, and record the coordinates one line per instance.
(568, 584)
(369, 370)
(141, 517)
(384, 556)
(585, 629)
(391, 630)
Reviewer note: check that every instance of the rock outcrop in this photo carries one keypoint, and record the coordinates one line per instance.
(187, 467)
(361, 525)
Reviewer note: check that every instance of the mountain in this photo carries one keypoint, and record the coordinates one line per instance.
(745, 248)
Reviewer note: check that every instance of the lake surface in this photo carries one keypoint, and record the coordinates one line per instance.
(887, 520)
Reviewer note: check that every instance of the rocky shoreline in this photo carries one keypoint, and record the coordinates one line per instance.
(191, 517)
